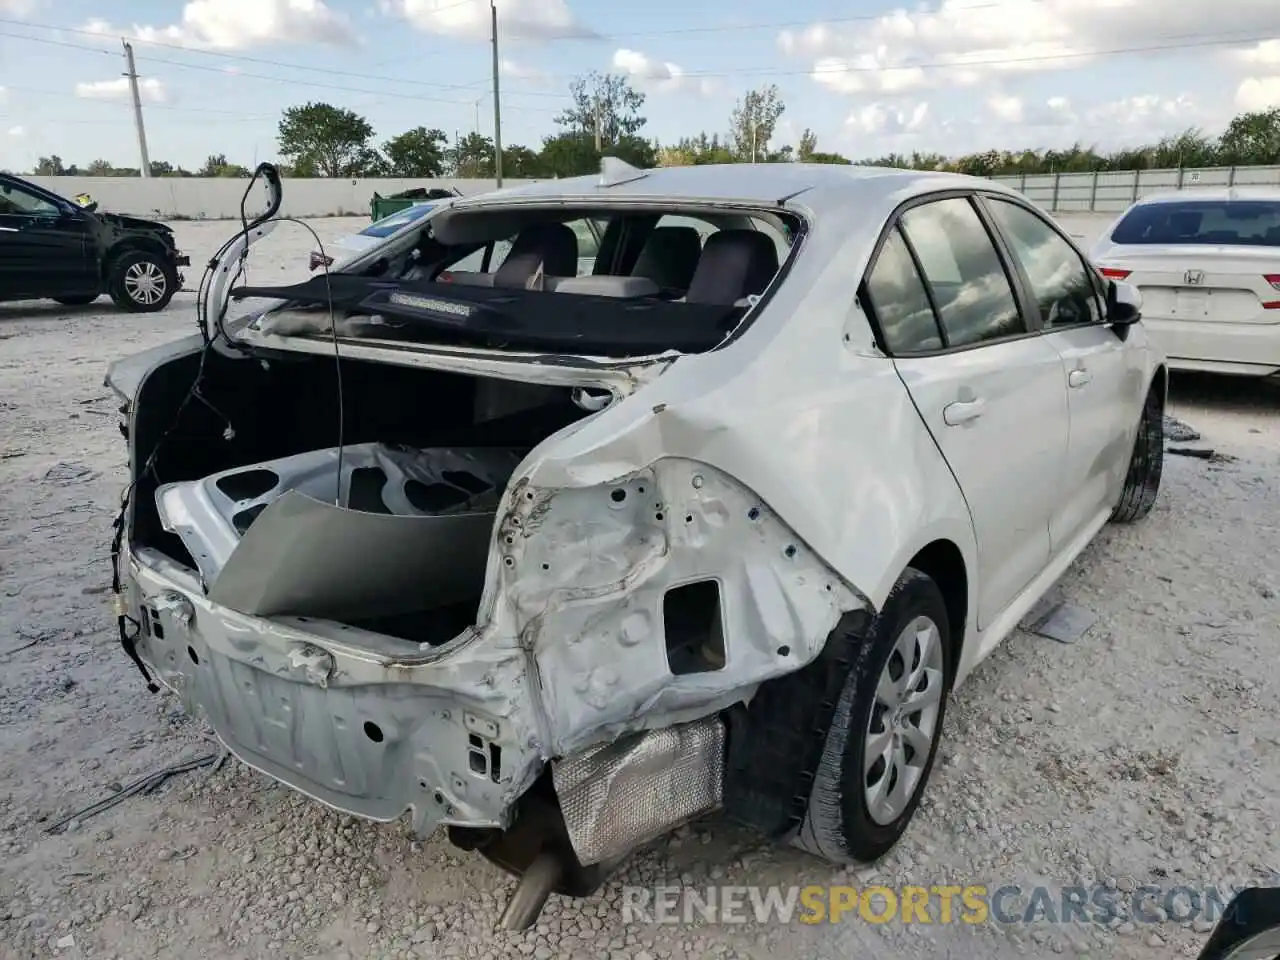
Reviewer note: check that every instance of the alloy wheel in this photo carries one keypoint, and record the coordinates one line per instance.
(903, 721)
(145, 283)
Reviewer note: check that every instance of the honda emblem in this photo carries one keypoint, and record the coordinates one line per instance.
(1193, 278)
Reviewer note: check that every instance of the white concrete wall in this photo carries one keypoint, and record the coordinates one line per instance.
(199, 198)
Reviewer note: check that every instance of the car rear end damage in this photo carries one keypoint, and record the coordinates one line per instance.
(419, 627)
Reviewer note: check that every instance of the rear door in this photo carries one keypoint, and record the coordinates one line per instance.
(1104, 380)
(46, 249)
(990, 390)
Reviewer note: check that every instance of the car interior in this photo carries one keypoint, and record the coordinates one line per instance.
(641, 282)
(719, 259)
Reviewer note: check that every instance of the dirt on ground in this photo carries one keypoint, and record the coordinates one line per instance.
(1144, 755)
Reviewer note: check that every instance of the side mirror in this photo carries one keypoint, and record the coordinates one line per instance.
(1124, 304)
(1249, 928)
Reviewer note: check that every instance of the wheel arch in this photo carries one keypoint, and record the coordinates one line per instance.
(943, 562)
(1160, 383)
(129, 245)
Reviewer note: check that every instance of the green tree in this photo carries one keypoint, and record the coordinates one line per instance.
(606, 108)
(417, 153)
(808, 146)
(1252, 138)
(473, 157)
(569, 155)
(216, 165)
(100, 168)
(50, 167)
(753, 121)
(332, 140)
(521, 163)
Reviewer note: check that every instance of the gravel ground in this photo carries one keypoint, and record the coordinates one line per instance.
(1146, 753)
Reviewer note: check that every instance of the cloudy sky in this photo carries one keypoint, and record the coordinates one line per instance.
(866, 75)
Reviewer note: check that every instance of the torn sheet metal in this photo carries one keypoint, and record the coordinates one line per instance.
(585, 572)
(619, 795)
(412, 529)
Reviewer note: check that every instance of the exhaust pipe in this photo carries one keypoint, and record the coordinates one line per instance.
(536, 885)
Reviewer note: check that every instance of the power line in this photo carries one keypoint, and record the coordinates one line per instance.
(1252, 37)
(247, 59)
(315, 84)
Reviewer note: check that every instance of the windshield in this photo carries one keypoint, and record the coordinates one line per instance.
(389, 225)
(1234, 222)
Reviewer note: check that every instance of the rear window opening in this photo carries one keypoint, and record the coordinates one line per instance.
(616, 283)
(1254, 223)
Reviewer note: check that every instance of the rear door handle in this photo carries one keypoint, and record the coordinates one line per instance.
(1079, 377)
(963, 411)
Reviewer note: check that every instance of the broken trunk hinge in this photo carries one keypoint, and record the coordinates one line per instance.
(118, 605)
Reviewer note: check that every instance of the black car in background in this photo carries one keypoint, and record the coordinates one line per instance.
(53, 248)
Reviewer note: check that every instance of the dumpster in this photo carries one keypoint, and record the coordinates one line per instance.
(381, 206)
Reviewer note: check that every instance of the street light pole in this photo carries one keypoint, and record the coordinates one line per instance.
(497, 107)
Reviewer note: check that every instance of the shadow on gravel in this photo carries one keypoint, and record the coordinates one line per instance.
(27, 310)
(48, 310)
(1227, 394)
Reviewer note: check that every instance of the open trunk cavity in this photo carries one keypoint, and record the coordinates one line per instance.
(388, 531)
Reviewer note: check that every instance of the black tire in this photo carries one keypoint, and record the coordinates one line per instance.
(78, 300)
(127, 272)
(1146, 464)
(838, 825)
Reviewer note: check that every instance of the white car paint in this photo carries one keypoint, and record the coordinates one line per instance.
(1211, 306)
(1011, 451)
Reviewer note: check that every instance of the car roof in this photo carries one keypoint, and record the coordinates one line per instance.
(1214, 195)
(822, 185)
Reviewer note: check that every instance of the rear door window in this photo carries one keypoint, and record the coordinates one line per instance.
(1214, 222)
(899, 302)
(964, 272)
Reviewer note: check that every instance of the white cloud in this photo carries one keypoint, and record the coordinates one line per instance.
(517, 19)
(886, 120)
(962, 42)
(17, 8)
(1267, 52)
(658, 76)
(17, 132)
(528, 74)
(1258, 93)
(1013, 123)
(239, 24)
(1054, 112)
(149, 88)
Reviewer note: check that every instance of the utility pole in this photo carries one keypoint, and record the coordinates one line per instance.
(599, 145)
(132, 74)
(497, 108)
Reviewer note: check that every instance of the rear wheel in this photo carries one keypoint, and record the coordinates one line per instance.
(886, 728)
(78, 300)
(1146, 465)
(142, 281)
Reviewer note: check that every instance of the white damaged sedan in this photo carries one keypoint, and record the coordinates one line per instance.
(560, 562)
